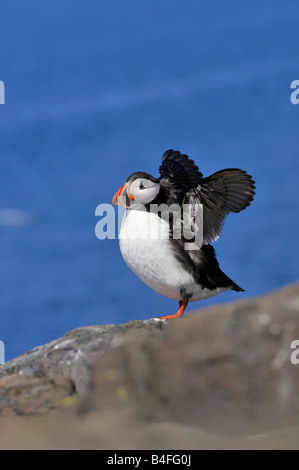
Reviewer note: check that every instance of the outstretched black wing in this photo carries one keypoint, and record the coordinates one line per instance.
(225, 191)
(178, 174)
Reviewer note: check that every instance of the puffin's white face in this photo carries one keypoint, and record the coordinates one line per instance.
(138, 192)
(142, 191)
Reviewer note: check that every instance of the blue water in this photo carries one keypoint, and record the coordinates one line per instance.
(97, 90)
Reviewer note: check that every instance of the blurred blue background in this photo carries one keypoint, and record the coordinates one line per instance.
(97, 90)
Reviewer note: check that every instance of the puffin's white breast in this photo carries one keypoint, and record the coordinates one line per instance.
(147, 250)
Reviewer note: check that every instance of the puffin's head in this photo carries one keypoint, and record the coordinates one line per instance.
(140, 189)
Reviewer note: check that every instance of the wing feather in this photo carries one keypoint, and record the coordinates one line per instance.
(223, 192)
(178, 174)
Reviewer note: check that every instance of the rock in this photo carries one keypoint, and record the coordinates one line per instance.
(31, 395)
(216, 373)
(225, 364)
(70, 358)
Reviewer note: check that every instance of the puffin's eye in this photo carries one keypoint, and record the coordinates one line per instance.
(141, 186)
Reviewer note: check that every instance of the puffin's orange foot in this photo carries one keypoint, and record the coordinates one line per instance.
(183, 305)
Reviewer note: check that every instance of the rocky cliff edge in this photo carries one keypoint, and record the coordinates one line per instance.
(219, 377)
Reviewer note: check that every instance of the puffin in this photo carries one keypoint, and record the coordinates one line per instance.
(170, 223)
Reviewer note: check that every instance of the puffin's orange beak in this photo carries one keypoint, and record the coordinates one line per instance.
(119, 197)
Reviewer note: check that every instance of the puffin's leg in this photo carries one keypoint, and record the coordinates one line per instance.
(183, 305)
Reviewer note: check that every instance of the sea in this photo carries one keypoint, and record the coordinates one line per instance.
(97, 90)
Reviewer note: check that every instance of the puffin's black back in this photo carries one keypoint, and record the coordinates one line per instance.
(203, 265)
